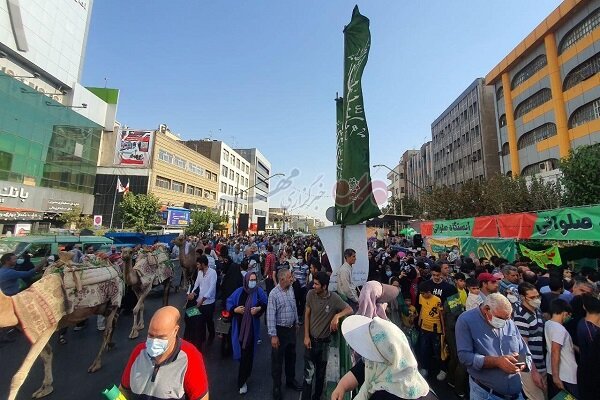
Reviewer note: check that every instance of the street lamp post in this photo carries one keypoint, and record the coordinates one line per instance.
(237, 193)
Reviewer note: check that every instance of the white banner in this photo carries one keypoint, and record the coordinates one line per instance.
(134, 148)
(355, 237)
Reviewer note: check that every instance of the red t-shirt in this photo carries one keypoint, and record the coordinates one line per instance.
(181, 376)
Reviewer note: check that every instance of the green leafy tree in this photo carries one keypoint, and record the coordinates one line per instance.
(140, 211)
(406, 205)
(75, 218)
(201, 221)
(581, 175)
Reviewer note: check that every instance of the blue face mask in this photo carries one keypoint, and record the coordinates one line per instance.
(155, 347)
(251, 284)
(388, 273)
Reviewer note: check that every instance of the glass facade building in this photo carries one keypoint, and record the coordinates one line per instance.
(43, 143)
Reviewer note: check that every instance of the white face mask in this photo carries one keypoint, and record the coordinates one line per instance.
(251, 284)
(20, 261)
(497, 322)
(155, 347)
(536, 303)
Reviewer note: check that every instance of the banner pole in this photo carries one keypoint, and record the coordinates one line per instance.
(113, 207)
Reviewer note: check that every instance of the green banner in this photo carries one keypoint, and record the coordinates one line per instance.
(339, 113)
(453, 227)
(580, 223)
(477, 248)
(354, 201)
(542, 257)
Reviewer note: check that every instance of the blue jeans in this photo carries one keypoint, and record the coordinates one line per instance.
(479, 393)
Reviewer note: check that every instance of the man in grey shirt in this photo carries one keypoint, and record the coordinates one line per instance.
(492, 349)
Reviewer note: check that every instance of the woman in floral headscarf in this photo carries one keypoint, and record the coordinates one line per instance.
(388, 370)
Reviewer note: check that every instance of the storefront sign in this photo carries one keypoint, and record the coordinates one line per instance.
(21, 215)
(22, 229)
(61, 205)
(14, 192)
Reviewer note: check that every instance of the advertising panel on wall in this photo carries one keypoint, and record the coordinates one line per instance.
(51, 35)
(134, 148)
(178, 217)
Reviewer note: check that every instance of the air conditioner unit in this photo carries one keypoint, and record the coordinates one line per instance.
(546, 166)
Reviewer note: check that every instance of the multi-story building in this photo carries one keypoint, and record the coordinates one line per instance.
(157, 162)
(234, 177)
(50, 125)
(258, 192)
(419, 171)
(281, 221)
(547, 91)
(398, 186)
(464, 140)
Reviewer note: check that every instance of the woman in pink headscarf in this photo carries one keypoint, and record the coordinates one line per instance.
(374, 297)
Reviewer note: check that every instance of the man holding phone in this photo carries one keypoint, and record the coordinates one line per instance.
(492, 349)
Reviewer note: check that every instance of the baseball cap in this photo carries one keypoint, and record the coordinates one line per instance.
(486, 277)
(355, 329)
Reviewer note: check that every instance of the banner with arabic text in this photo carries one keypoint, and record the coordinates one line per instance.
(477, 248)
(580, 223)
(542, 257)
(440, 245)
(453, 227)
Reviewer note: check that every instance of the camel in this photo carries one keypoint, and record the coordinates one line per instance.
(187, 260)
(146, 274)
(50, 317)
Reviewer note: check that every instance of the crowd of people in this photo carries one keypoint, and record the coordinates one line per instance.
(489, 329)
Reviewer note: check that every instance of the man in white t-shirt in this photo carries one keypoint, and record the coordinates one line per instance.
(560, 356)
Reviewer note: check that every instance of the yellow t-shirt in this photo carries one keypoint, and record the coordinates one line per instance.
(462, 296)
(430, 314)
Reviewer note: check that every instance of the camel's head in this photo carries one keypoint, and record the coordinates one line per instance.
(126, 253)
(179, 240)
(7, 312)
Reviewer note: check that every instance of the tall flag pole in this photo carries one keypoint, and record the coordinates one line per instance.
(354, 202)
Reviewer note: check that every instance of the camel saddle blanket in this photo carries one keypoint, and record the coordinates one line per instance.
(40, 307)
(153, 267)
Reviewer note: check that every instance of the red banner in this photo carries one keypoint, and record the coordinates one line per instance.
(516, 226)
(485, 227)
(427, 228)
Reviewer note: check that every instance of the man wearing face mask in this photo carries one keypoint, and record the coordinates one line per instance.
(492, 349)
(165, 366)
(529, 321)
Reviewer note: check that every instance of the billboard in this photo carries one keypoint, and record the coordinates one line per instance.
(178, 217)
(134, 148)
(48, 34)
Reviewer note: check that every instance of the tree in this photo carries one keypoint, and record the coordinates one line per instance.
(581, 175)
(406, 206)
(140, 211)
(201, 221)
(76, 218)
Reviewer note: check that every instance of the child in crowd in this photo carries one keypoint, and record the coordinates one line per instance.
(431, 325)
(473, 299)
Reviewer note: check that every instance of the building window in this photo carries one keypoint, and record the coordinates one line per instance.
(580, 31)
(237, 177)
(197, 192)
(533, 101)
(230, 190)
(223, 187)
(178, 186)
(165, 156)
(529, 70)
(225, 155)
(229, 205)
(246, 180)
(505, 149)
(583, 71)
(190, 190)
(210, 195)
(542, 166)
(225, 171)
(237, 163)
(499, 93)
(586, 113)
(163, 182)
(196, 169)
(232, 159)
(231, 174)
(502, 121)
(260, 197)
(536, 135)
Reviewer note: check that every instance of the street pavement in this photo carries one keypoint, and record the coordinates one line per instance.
(71, 361)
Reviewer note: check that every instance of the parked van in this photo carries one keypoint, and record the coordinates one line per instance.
(43, 246)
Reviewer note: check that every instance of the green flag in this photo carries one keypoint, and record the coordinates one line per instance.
(354, 200)
(542, 257)
(339, 140)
